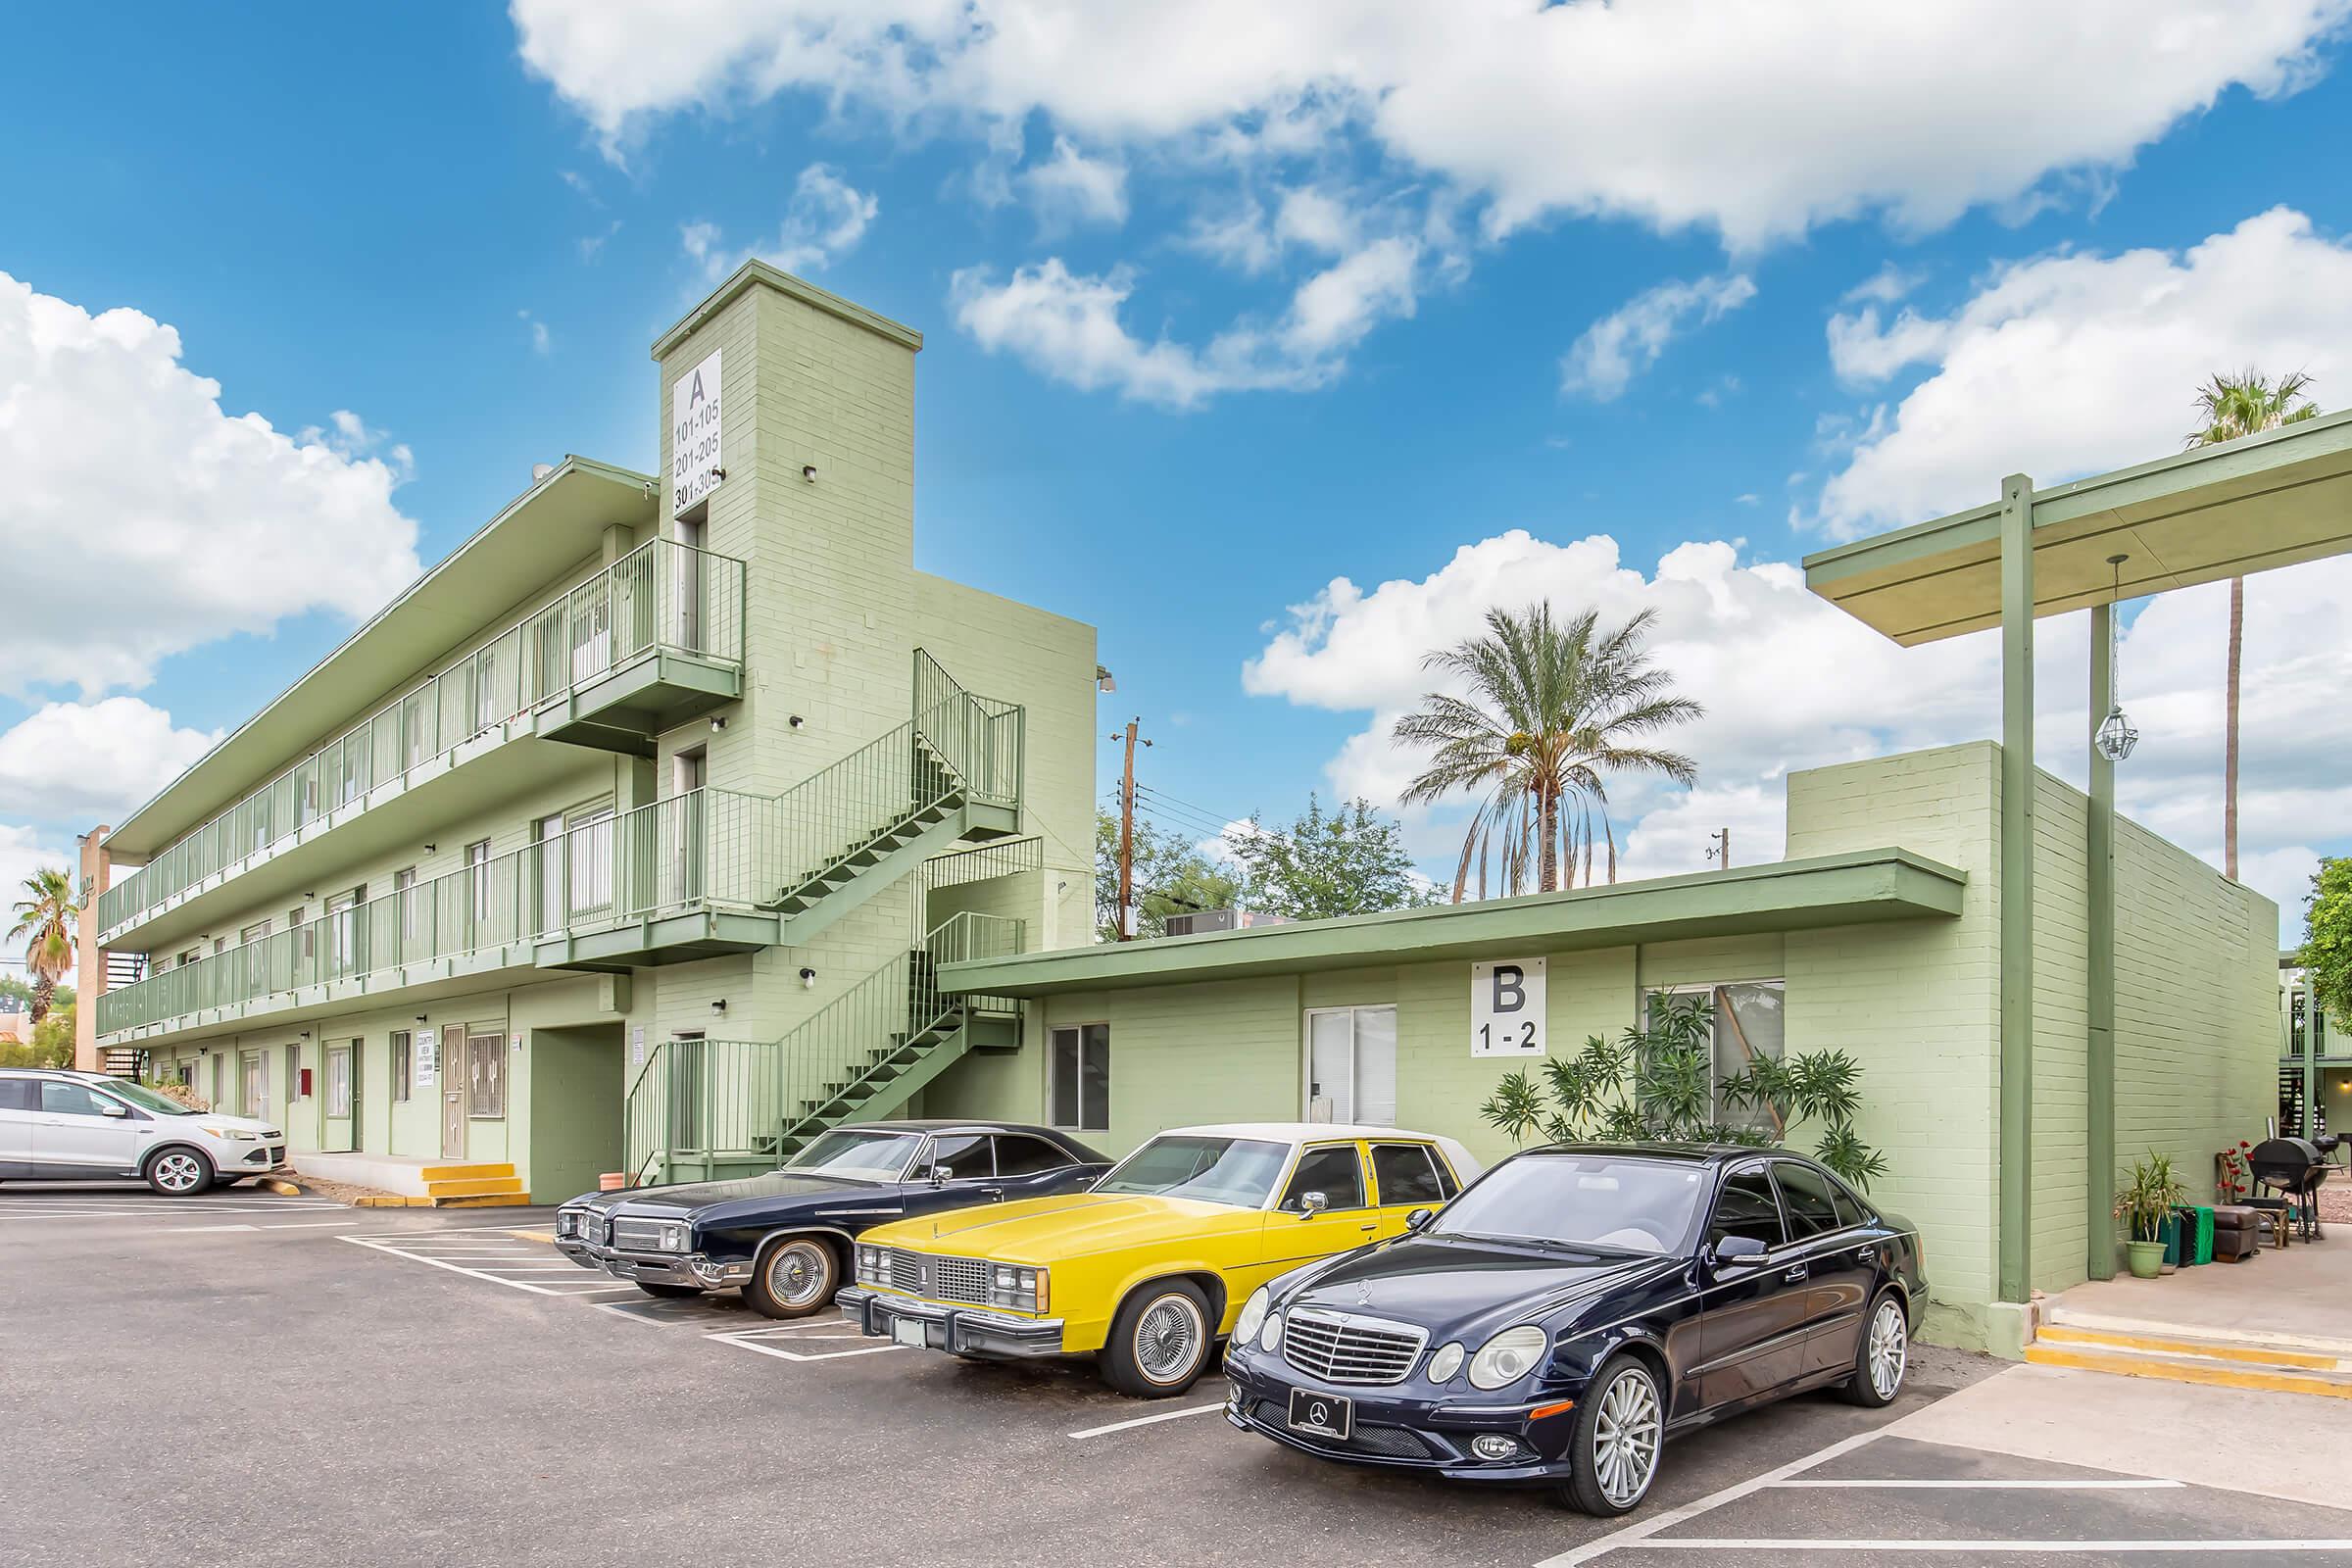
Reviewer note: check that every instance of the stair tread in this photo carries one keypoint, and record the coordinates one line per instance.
(2192, 1345)
(2191, 1369)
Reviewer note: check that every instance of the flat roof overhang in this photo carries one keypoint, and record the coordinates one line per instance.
(559, 520)
(2201, 515)
(1860, 888)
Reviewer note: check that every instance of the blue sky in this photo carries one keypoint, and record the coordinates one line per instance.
(1501, 303)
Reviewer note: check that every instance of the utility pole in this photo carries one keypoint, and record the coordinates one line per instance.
(1127, 835)
(1719, 849)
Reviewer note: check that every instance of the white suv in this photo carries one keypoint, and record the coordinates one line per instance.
(60, 1126)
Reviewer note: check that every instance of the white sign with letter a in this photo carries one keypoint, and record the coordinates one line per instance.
(1507, 1007)
(694, 436)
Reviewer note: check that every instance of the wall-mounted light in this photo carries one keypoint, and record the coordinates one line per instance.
(719, 1005)
(795, 721)
(717, 722)
(2116, 736)
(420, 1017)
(1104, 680)
(717, 476)
(808, 979)
(808, 472)
(431, 849)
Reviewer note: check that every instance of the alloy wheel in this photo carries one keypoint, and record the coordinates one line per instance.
(1625, 1439)
(1889, 1349)
(1167, 1339)
(178, 1172)
(796, 1274)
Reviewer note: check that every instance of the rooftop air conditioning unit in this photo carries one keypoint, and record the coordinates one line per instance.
(1203, 920)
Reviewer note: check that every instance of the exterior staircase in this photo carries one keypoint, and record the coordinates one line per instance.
(2237, 1362)
(478, 1184)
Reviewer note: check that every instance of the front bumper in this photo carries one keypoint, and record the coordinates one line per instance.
(1398, 1428)
(690, 1269)
(963, 1330)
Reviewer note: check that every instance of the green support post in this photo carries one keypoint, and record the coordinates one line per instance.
(2016, 1250)
(2099, 1048)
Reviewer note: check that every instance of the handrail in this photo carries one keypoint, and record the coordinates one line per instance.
(691, 850)
(664, 593)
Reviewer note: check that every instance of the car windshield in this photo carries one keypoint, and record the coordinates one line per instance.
(874, 1156)
(144, 1098)
(1608, 1203)
(1239, 1172)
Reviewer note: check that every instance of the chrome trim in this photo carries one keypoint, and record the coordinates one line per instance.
(1373, 1362)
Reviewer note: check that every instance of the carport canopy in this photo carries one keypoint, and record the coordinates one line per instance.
(2201, 515)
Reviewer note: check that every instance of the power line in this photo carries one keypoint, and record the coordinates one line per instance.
(1222, 817)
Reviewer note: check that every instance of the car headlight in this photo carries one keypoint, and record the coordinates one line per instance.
(1506, 1357)
(1269, 1337)
(869, 1266)
(1446, 1362)
(567, 1223)
(1017, 1287)
(1254, 1315)
(673, 1238)
(238, 1135)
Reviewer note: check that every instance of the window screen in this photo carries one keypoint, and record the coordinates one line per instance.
(1336, 1171)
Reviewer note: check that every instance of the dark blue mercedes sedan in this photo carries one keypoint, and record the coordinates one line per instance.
(1576, 1307)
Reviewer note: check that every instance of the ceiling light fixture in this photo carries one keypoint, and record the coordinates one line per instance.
(2116, 736)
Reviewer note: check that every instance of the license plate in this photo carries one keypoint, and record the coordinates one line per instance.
(908, 1331)
(1322, 1415)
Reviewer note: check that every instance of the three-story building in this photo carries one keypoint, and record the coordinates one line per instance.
(629, 838)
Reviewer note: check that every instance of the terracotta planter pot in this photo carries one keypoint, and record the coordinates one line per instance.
(2147, 1258)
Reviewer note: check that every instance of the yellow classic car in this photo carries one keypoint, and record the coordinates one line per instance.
(1147, 1268)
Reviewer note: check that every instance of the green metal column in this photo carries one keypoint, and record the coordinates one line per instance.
(2015, 1245)
(2099, 1049)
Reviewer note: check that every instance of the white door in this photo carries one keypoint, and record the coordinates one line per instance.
(78, 1127)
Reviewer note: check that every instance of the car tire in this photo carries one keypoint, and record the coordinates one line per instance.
(792, 1277)
(1161, 1340)
(671, 1292)
(1619, 1439)
(178, 1172)
(1882, 1355)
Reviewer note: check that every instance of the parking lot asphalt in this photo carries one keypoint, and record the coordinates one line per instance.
(280, 1380)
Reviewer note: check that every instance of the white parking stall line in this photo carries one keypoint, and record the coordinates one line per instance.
(1640, 1534)
(17, 1208)
(308, 1225)
(393, 1249)
(1148, 1420)
(1985, 1547)
(1914, 1483)
(762, 1342)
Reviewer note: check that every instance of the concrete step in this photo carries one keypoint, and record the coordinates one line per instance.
(485, 1201)
(2192, 1346)
(458, 1172)
(2190, 1359)
(473, 1186)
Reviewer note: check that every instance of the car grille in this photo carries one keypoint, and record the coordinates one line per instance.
(951, 1278)
(596, 1228)
(641, 1234)
(1346, 1349)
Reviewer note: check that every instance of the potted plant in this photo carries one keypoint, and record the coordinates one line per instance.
(2145, 1205)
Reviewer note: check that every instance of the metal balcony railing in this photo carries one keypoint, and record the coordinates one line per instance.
(661, 595)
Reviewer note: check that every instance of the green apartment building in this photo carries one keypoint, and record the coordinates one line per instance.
(642, 817)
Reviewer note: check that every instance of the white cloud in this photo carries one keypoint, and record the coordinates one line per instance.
(1758, 121)
(1071, 188)
(2071, 364)
(823, 221)
(1629, 341)
(128, 480)
(1886, 285)
(88, 762)
(1790, 682)
(1069, 326)
(541, 341)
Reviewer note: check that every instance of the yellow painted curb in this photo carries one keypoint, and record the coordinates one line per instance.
(284, 1189)
(2260, 1354)
(390, 1201)
(2224, 1377)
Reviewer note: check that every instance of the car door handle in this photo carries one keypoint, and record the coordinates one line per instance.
(995, 1195)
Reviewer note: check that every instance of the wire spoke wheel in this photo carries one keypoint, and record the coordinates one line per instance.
(1624, 1440)
(1889, 1349)
(797, 1273)
(1168, 1338)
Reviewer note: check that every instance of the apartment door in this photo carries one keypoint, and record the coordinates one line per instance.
(339, 1123)
(689, 570)
(453, 1106)
(257, 1085)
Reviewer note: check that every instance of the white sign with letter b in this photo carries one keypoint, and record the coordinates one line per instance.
(1507, 1007)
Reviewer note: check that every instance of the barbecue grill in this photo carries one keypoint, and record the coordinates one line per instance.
(2293, 1168)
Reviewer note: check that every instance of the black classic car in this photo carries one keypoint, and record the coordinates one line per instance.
(784, 1237)
(1573, 1309)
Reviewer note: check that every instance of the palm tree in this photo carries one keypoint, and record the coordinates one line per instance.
(1551, 713)
(2229, 406)
(45, 926)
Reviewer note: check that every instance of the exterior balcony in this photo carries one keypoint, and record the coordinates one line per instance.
(647, 643)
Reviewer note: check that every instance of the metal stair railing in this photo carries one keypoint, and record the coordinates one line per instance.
(663, 593)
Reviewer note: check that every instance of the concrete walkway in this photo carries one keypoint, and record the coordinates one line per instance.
(2298, 1297)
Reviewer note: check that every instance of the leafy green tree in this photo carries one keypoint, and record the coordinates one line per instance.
(2230, 407)
(44, 923)
(2326, 955)
(1323, 866)
(1555, 708)
(1172, 876)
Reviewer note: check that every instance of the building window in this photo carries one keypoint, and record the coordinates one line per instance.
(1081, 1087)
(485, 1077)
(293, 1072)
(1351, 1066)
(257, 1085)
(1749, 1023)
(404, 888)
(339, 1083)
(403, 1069)
(477, 863)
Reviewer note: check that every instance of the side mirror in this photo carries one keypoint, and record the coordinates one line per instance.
(1310, 1204)
(1418, 1218)
(941, 1175)
(110, 1109)
(1735, 1249)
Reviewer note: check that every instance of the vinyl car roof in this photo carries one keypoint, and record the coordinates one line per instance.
(951, 1125)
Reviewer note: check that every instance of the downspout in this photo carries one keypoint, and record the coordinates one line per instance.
(2014, 1246)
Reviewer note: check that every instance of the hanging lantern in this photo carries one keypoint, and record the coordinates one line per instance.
(2116, 737)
